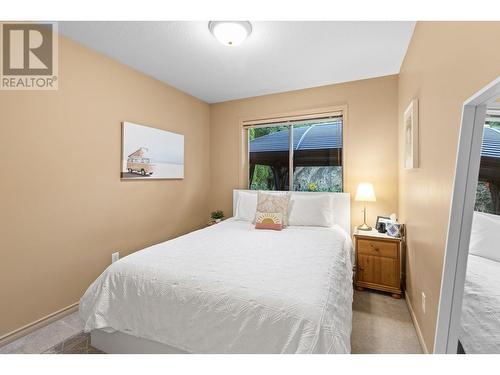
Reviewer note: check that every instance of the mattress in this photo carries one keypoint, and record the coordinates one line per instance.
(480, 320)
(230, 288)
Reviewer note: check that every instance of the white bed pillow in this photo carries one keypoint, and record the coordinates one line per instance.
(311, 210)
(485, 236)
(246, 206)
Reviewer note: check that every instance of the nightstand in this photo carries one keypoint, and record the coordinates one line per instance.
(379, 262)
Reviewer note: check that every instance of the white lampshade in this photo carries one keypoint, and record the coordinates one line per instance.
(365, 193)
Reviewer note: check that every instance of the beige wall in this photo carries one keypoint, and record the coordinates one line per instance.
(445, 64)
(61, 160)
(370, 138)
(64, 209)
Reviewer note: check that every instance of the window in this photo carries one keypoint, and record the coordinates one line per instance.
(296, 155)
(269, 157)
(488, 187)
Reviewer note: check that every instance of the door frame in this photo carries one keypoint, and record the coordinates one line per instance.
(461, 213)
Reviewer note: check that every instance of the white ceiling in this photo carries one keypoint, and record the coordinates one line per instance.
(278, 56)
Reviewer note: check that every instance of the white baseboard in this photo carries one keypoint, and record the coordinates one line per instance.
(415, 323)
(37, 324)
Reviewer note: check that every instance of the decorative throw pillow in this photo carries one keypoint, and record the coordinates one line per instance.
(269, 220)
(274, 203)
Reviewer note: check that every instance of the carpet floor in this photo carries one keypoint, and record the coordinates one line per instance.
(380, 325)
(78, 344)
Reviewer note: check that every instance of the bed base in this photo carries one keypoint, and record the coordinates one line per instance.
(122, 343)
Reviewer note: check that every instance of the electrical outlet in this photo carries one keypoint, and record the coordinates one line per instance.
(423, 302)
(115, 257)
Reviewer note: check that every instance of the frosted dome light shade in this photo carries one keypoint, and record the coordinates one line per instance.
(230, 33)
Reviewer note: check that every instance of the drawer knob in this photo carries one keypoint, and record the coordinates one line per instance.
(374, 248)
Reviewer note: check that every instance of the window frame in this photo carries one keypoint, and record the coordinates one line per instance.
(268, 120)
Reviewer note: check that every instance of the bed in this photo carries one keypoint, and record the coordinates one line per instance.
(480, 319)
(229, 288)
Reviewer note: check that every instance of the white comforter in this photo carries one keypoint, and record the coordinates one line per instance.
(231, 288)
(480, 320)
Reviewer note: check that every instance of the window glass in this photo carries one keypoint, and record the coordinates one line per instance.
(268, 158)
(313, 148)
(488, 186)
(317, 157)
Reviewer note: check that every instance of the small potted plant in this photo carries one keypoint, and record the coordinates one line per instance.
(217, 216)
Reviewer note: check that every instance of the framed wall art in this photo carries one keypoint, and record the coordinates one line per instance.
(150, 153)
(410, 128)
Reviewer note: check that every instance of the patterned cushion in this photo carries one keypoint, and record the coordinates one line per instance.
(274, 203)
(269, 220)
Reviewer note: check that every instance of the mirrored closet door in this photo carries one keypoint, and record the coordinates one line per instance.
(469, 305)
(480, 318)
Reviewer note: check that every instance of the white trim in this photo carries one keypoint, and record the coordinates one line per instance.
(37, 324)
(416, 325)
(310, 114)
(460, 222)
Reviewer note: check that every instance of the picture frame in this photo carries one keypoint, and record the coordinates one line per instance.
(394, 229)
(410, 132)
(150, 153)
(382, 219)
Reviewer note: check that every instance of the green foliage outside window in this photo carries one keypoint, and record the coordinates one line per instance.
(493, 124)
(260, 132)
(326, 179)
(262, 178)
(484, 203)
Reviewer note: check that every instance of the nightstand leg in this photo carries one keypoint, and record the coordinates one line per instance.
(397, 296)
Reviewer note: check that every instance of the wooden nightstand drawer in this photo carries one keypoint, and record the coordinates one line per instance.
(379, 248)
(379, 262)
(378, 270)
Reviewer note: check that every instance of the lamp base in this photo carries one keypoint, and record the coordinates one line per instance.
(364, 226)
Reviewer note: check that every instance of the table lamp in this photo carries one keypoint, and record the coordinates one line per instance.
(365, 194)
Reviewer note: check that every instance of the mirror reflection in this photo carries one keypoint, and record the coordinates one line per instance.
(480, 319)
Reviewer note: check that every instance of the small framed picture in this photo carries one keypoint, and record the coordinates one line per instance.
(394, 229)
(410, 126)
(382, 219)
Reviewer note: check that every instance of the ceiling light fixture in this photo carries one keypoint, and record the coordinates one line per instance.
(230, 33)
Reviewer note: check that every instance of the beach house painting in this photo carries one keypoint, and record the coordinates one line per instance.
(149, 153)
